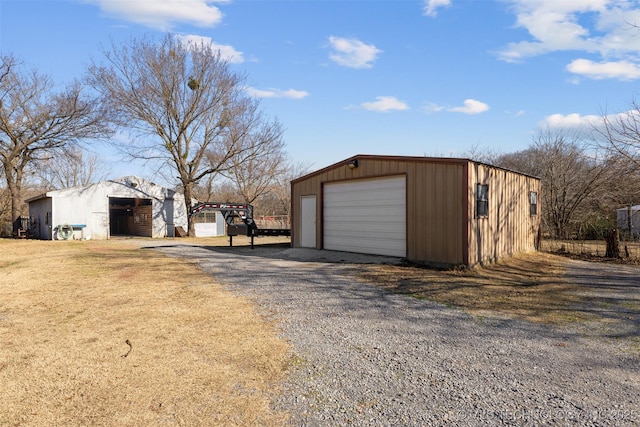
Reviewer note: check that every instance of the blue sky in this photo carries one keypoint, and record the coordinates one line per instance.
(401, 77)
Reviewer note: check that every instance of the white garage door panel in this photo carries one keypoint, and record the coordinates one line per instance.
(366, 216)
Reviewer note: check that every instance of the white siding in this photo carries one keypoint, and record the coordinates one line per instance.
(211, 229)
(366, 216)
(308, 221)
(624, 222)
(89, 206)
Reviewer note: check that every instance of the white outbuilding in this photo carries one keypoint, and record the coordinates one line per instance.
(629, 220)
(126, 206)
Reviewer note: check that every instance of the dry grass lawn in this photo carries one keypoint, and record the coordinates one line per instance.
(104, 333)
(528, 286)
(592, 249)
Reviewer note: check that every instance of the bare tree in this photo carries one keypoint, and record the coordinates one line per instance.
(280, 192)
(34, 120)
(276, 201)
(222, 191)
(182, 98)
(621, 132)
(261, 160)
(569, 175)
(205, 190)
(621, 189)
(71, 167)
(482, 154)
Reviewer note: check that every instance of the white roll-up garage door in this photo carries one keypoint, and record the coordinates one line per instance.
(366, 216)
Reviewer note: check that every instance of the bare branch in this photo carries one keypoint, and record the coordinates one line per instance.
(621, 132)
(184, 101)
(35, 120)
(569, 175)
(70, 167)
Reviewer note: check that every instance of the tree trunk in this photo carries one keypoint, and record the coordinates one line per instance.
(14, 184)
(188, 195)
(612, 237)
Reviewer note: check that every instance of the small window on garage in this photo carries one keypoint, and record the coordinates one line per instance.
(482, 200)
(533, 203)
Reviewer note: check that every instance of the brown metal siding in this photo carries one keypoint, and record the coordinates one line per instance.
(441, 224)
(509, 228)
(434, 210)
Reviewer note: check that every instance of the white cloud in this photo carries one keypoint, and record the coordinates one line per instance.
(586, 123)
(352, 53)
(431, 6)
(576, 124)
(227, 52)
(385, 103)
(470, 106)
(432, 107)
(555, 25)
(623, 70)
(277, 93)
(569, 121)
(163, 14)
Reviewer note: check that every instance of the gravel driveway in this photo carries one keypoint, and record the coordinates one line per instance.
(365, 357)
(617, 289)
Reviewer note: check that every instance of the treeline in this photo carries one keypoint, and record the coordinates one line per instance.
(175, 105)
(587, 174)
(179, 107)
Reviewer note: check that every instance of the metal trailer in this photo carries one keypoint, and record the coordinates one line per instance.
(232, 212)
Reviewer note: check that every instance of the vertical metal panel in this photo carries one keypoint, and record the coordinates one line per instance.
(438, 195)
(465, 225)
(414, 207)
(40, 212)
(509, 228)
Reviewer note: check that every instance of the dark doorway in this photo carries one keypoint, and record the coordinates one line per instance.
(130, 217)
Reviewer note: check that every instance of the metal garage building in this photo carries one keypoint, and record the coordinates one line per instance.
(128, 206)
(434, 211)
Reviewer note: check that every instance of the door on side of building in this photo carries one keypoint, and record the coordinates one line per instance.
(308, 221)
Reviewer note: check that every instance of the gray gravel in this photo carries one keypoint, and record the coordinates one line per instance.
(365, 357)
